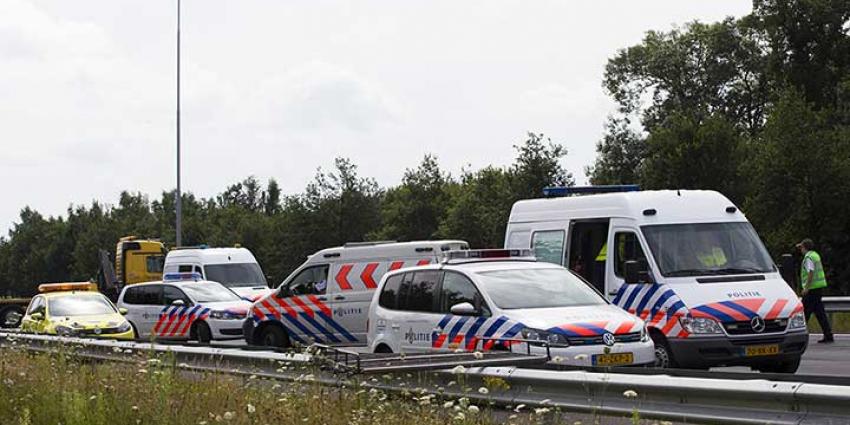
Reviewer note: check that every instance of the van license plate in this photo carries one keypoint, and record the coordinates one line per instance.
(761, 350)
(616, 359)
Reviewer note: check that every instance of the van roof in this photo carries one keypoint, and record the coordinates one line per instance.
(671, 206)
(213, 255)
(387, 249)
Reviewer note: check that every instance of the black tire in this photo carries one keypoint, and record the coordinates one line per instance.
(663, 355)
(135, 331)
(383, 349)
(203, 333)
(273, 336)
(6, 313)
(787, 366)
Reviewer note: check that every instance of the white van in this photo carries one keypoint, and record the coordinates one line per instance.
(327, 298)
(496, 299)
(688, 262)
(235, 268)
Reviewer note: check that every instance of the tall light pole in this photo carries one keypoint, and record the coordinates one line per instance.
(178, 201)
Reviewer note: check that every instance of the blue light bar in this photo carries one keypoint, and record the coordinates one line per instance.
(180, 277)
(553, 192)
(488, 254)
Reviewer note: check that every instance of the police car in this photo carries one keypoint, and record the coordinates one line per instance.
(495, 299)
(183, 306)
(74, 309)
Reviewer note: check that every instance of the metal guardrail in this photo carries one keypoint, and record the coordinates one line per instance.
(836, 304)
(685, 399)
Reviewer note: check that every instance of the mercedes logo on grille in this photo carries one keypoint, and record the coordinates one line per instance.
(608, 339)
(758, 324)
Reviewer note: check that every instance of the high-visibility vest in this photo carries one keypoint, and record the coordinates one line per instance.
(713, 258)
(819, 278)
(603, 253)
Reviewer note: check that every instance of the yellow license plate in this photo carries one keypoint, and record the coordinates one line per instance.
(613, 359)
(761, 350)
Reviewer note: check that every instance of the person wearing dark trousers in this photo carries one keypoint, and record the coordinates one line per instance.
(813, 281)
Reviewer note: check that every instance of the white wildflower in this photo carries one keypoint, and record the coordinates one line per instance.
(541, 411)
(478, 355)
(483, 390)
(135, 408)
(448, 405)
(458, 370)
(547, 401)
(473, 408)
(92, 397)
(460, 416)
(630, 394)
(250, 408)
(228, 416)
(154, 361)
(519, 407)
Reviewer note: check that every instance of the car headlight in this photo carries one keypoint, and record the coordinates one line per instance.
(700, 325)
(124, 327)
(798, 321)
(226, 315)
(543, 336)
(64, 330)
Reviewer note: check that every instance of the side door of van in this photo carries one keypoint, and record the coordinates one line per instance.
(624, 244)
(306, 309)
(353, 285)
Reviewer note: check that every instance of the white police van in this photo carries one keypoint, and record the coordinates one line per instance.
(487, 299)
(184, 307)
(326, 299)
(235, 268)
(686, 261)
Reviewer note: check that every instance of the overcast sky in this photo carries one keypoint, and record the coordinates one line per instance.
(277, 88)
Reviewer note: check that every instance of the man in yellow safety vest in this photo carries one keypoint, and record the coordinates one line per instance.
(813, 281)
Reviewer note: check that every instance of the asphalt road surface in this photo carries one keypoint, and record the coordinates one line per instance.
(819, 359)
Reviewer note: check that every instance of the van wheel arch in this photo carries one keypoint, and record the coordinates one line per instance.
(270, 326)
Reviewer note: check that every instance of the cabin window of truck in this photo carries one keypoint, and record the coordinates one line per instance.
(626, 248)
(548, 246)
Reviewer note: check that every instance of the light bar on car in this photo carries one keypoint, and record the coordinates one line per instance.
(185, 276)
(489, 254)
(558, 191)
(67, 286)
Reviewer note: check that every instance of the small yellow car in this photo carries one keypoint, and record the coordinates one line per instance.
(75, 309)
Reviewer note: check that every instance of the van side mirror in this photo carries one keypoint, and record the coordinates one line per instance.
(464, 309)
(283, 291)
(787, 269)
(632, 272)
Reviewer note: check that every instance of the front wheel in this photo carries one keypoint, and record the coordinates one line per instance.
(663, 355)
(11, 317)
(274, 336)
(203, 333)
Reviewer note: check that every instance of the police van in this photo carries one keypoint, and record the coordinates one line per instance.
(326, 299)
(499, 299)
(183, 306)
(235, 268)
(686, 261)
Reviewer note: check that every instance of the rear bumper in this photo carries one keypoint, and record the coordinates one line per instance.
(710, 351)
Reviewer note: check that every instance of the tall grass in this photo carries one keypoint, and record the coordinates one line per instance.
(840, 323)
(38, 388)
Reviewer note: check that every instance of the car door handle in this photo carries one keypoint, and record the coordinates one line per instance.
(613, 293)
(396, 327)
(339, 298)
(322, 298)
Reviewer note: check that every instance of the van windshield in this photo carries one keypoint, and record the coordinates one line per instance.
(236, 275)
(699, 249)
(537, 288)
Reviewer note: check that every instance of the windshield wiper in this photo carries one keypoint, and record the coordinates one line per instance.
(691, 272)
(737, 270)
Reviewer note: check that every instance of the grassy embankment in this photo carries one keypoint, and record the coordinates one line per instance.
(59, 389)
(840, 323)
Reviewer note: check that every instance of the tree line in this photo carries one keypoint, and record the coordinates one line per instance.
(339, 205)
(757, 108)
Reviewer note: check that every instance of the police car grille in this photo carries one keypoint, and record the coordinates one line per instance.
(597, 340)
(100, 331)
(746, 328)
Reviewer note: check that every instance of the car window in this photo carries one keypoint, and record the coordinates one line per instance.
(456, 289)
(537, 288)
(421, 291)
(310, 281)
(170, 294)
(184, 268)
(626, 248)
(389, 294)
(143, 295)
(132, 295)
(79, 305)
(548, 246)
(209, 292)
(37, 305)
(154, 263)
